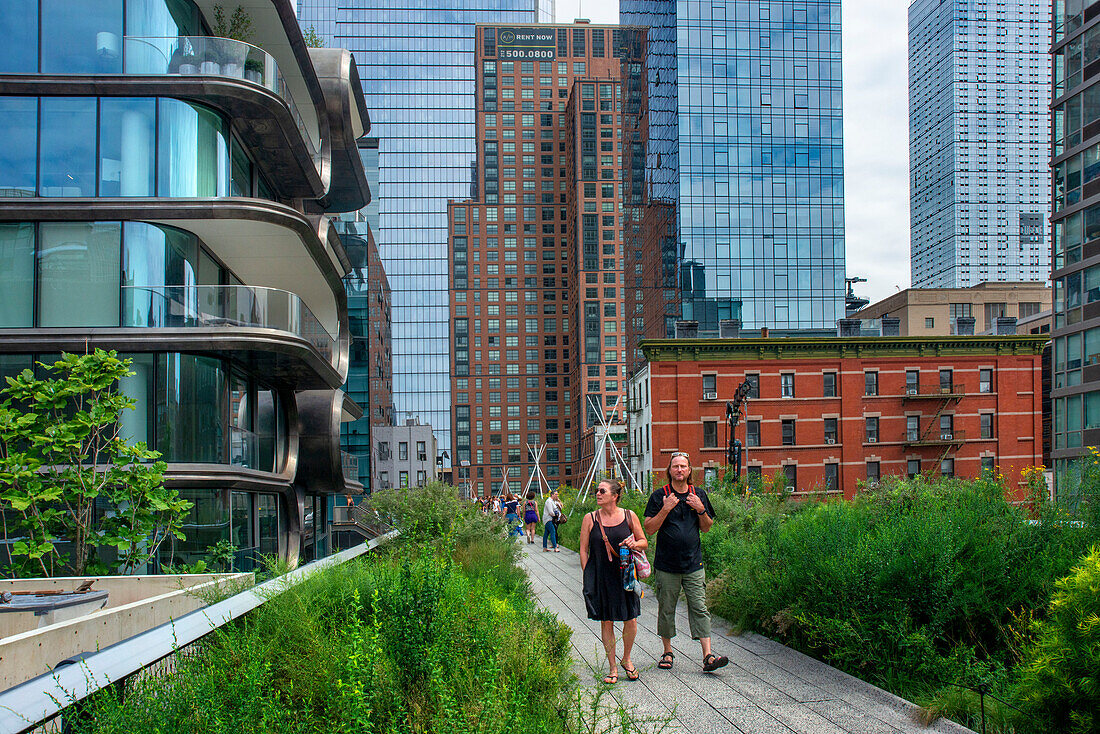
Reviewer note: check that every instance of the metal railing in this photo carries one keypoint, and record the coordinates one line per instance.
(933, 390)
(40, 700)
(179, 306)
(212, 56)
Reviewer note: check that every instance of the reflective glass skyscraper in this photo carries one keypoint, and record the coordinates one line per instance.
(740, 137)
(417, 64)
(979, 90)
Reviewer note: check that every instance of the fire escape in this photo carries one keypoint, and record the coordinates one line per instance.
(936, 434)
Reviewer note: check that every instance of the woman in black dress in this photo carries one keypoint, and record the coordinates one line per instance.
(604, 595)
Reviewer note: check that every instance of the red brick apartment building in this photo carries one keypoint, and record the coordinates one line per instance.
(832, 413)
(537, 322)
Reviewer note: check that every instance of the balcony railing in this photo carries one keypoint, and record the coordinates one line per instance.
(211, 56)
(934, 390)
(230, 306)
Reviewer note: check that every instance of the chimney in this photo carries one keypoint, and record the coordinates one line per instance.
(891, 326)
(687, 329)
(763, 332)
(729, 328)
(1005, 326)
(964, 325)
(848, 327)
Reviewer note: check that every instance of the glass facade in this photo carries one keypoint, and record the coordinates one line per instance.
(1075, 244)
(979, 92)
(740, 139)
(146, 147)
(418, 67)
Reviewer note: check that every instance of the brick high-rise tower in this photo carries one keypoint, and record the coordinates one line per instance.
(537, 327)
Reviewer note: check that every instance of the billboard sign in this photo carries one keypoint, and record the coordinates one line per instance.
(525, 43)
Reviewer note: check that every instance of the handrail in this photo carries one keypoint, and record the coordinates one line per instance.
(25, 706)
(213, 56)
(232, 306)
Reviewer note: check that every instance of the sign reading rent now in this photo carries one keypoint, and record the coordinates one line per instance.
(525, 43)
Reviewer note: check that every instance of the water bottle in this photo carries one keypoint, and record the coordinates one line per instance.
(626, 562)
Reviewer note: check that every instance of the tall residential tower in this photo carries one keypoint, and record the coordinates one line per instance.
(978, 131)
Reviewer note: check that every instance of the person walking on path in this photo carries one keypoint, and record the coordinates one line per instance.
(602, 534)
(511, 513)
(677, 513)
(530, 517)
(551, 511)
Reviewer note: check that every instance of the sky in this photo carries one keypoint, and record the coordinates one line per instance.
(876, 136)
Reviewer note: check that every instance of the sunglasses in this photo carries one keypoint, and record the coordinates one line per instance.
(601, 490)
(678, 454)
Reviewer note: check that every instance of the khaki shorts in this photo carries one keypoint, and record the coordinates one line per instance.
(667, 587)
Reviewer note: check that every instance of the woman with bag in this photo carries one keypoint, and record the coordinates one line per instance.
(530, 517)
(551, 516)
(603, 532)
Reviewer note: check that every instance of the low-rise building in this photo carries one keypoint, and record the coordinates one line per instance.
(935, 311)
(404, 456)
(835, 413)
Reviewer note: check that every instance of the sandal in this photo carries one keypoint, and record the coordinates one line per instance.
(665, 662)
(713, 662)
(631, 673)
(611, 678)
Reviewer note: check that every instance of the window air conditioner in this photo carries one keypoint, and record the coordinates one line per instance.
(710, 396)
(790, 488)
(872, 439)
(911, 391)
(830, 439)
(945, 437)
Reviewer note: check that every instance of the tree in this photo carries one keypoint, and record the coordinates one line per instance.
(313, 39)
(61, 455)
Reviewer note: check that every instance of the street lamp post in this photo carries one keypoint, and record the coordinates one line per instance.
(734, 411)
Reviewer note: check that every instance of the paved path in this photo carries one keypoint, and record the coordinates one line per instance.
(767, 688)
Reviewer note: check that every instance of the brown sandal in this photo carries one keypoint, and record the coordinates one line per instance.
(665, 662)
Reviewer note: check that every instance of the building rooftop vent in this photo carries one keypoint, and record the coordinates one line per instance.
(687, 329)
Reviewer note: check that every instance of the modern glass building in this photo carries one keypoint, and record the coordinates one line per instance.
(1075, 245)
(421, 63)
(165, 193)
(739, 135)
(978, 130)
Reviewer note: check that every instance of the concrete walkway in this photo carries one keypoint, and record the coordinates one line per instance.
(766, 689)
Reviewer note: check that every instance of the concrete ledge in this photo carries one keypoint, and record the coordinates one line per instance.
(135, 604)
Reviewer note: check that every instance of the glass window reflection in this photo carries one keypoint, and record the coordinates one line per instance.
(17, 155)
(81, 37)
(127, 153)
(16, 275)
(67, 147)
(192, 146)
(78, 272)
(19, 29)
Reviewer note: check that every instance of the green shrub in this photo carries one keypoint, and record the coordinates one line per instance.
(1060, 680)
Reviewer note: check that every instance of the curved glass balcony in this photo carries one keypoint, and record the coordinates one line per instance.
(172, 306)
(211, 56)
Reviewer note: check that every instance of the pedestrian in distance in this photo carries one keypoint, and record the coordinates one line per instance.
(603, 533)
(511, 513)
(530, 517)
(551, 514)
(677, 513)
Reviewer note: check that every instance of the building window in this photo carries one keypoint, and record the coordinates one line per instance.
(404, 479)
(929, 323)
(912, 428)
(947, 381)
(947, 467)
(989, 465)
(421, 478)
(786, 385)
(871, 429)
(830, 430)
(832, 477)
(873, 473)
(710, 387)
(985, 380)
(791, 472)
(754, 386)
(384, 477)
(987, 425)
(828, 384)
(421, 451)
(870, 383)
(947, 425)
(912, 468)
(912, 382)
(403, 452)
(710, 434)
(752, 433)
(788, 432)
